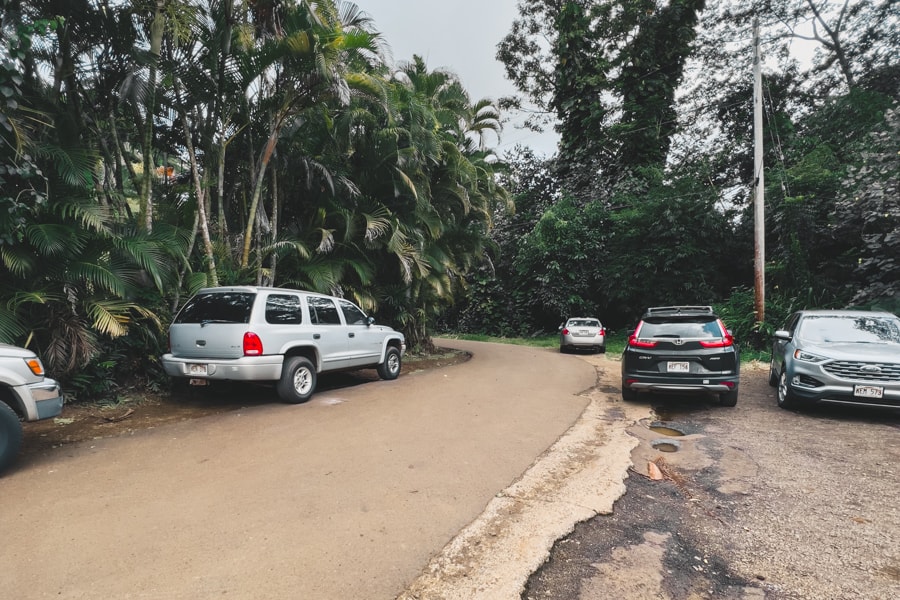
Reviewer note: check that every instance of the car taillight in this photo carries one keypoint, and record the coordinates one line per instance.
(565, 331)
(634, 342)
(252, 344)
(728, 340)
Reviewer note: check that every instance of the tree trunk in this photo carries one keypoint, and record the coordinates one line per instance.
(199, 189)
(264, 159)
(157, 30)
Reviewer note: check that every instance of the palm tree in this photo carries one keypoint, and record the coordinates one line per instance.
(306, 66)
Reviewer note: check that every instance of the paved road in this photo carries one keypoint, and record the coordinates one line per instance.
(348, 496)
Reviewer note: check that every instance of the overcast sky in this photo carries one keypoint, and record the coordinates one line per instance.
(460, 36)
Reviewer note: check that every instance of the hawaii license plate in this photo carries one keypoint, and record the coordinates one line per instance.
(868, 391)
(197, 370)
(678, 367)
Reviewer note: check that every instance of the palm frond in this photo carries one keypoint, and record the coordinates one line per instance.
(11, 326)
(97, 275)
(51, 239)
(110, 317)
(19, 259)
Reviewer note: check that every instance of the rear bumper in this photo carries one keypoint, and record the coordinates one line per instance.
(704, 385)
(585, 342)
(247, 368)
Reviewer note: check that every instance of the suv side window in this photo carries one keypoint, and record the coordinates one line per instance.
(322, 311)
(225, 307)
(283, 309)
(352, 314)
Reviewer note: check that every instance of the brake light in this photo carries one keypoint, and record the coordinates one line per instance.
(252, 344)
(634, 342)
(728, 340)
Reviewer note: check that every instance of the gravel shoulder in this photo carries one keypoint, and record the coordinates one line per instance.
(757, 502)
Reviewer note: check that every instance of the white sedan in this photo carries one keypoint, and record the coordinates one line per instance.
(582, 333)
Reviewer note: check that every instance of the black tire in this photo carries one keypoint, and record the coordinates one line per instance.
(390, 368)
(563, 350)
(783, 395)
(602, 349)
(10, 436)
(773, 374)
(628, 394)
(298, 380)
(729, 398)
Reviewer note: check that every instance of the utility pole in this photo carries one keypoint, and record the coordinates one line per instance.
(759, 212)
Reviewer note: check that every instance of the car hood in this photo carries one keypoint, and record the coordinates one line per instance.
(15, 351)
(856, 351)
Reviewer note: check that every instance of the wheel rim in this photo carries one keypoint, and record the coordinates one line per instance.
(393, 363)
(782, 388)
(302, 381)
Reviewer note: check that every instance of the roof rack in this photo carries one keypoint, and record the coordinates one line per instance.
(680, 309)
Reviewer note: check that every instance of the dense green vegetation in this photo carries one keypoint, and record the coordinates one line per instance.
(152, 147)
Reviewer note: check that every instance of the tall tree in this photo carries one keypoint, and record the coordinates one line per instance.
(614, 67)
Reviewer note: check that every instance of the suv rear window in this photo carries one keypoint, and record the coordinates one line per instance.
(689, 329)
(219, 307)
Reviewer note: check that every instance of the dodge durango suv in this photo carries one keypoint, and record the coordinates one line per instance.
(681, 350)
(277, 335)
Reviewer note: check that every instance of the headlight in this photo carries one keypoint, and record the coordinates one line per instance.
(808, 356)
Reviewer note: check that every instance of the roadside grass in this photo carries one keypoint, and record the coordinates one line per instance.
(615, 343)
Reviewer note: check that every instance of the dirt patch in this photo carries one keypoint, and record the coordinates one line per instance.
(137, 411)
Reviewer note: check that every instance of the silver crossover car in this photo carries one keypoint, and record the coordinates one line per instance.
(582, 332)
(849, 357)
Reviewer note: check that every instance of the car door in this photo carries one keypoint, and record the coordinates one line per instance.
(364, 341)
(780, 344)
(329, 332)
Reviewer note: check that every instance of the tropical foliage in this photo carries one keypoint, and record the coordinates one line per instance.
(652, 186)
(151, 148)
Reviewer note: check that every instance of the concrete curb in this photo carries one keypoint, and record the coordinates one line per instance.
(579, 477)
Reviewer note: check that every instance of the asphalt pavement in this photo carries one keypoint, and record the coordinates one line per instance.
(375, 491)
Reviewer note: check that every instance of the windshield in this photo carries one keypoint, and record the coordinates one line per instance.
(834, 328)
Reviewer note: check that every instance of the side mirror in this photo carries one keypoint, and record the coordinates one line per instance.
(370, 321)
(783, 334)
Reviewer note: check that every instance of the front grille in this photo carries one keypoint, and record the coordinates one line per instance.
(853, 370)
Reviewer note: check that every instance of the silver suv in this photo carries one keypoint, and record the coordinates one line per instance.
(280, 335)
(25, 394)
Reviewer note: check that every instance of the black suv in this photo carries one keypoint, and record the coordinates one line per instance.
(682, 350)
